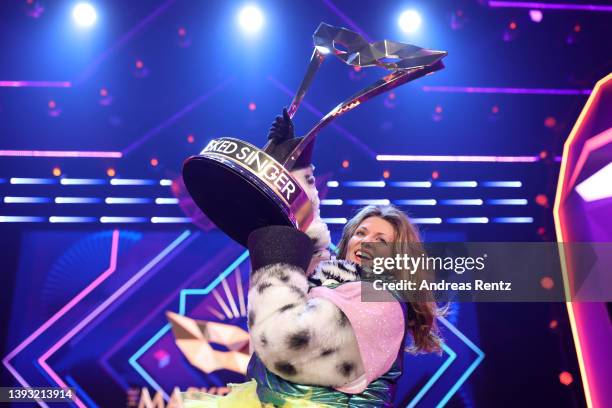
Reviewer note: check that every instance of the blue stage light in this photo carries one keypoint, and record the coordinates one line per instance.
(84, 14)
(251, 18)
(409, 21)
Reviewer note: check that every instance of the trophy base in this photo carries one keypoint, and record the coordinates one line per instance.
(235, 201)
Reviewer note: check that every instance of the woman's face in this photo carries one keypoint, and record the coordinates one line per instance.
(372, 229)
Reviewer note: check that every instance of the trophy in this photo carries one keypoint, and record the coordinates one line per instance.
(241, 187)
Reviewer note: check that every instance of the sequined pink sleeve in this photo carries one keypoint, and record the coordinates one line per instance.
(378, 326)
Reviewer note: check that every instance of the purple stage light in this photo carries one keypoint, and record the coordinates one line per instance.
(550, 6)
(67, 307)
(36, 84)
(59, 153)
(519, 91)
(346, 19)
(536, 15)
(432, 158)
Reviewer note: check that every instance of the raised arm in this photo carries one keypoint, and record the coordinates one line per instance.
(308, 341)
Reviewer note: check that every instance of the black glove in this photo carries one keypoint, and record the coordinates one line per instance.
(279, 244)
(282, 129)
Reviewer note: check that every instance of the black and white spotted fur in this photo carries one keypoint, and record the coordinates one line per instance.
(307, 341)
(334, 272)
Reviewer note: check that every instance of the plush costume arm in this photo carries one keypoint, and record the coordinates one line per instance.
(308, 341)
(378, 326)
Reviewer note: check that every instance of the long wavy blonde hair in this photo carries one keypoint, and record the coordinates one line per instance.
(422, 310)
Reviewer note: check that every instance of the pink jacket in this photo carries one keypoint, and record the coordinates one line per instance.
(379, 328)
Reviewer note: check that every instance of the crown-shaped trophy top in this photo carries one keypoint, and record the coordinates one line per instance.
(357, 51)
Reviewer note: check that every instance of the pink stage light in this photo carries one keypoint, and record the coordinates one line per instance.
(520, 91)
(550, 6)
(42, 360)
(431, 158)
(36, 84)
(535, 15)
(67, 307)
(60, 153)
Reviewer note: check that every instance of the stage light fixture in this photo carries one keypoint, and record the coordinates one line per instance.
(84, 14)
(251, 18)
(410, 21)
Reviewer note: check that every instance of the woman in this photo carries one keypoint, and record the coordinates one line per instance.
(322, 343)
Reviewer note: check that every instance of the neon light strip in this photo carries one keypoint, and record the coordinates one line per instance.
(126, 200)
(434, 220)
(470, 369)
(419, 184)
(56, 219)
(346, 19)
(368, 202)
(501, 184)
(550, 6)
(26, 200)
(467, 220)
(562, 236)
(35, 84)
(81, 336)
(122, 219)
(456, 184)
(416, 202)
(433, 158)
(112, 220)
(182, 303)
(134, 363)
(162, 220)
(19, 218)
(82, 181)
(513, 220)
(333, 184)
(165, 182)
(331, 202)
(131, 182)
(507, 201)
(212, 285)
(222, 305)
(518, 91)
(230, 298)
(43, 359)
(29, 180)
(451, 357)
(363, 183)
(77, 200)
(65, 309)
(169, 121)
(90, 69)
(81, 392)
(60, 153)
(468, 201)
(162, 305)
(164, 200)
(335, 220)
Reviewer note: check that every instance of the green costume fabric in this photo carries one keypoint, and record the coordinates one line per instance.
(275, 390)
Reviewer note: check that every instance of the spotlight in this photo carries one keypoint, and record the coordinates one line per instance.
(536, 15)
(84, 14)
(409, 21)
(251, 18)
